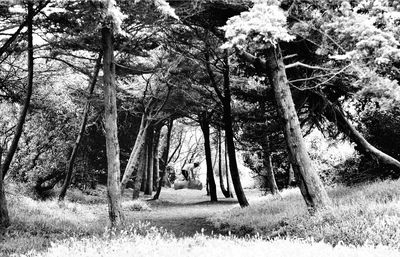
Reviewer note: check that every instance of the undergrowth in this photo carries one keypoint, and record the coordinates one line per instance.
(368, 214)
(141, 240)
(364, 221)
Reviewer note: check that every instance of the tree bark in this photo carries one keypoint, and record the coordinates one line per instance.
(221, 177)
(73, 154)
(205, 127)
(156, 161)
(134, 158)
(139, 174)
(270, 172)
(229, 140)
(4, 218)
(150, 162)
(22, 116)
(164, 159)
(314, 194)
(228, 187)
(144, 163)
(112, 144)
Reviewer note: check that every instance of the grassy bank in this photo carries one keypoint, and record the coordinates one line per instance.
(368, 214)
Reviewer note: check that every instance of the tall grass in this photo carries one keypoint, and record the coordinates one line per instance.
(364, 221)
(368, 214)
(131, 242)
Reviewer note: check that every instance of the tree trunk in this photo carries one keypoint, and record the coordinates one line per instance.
(72, 156)
(156, 159)
(139, 174)
(221, 177)
(205, 127)
(291, 178)
(270, 172)
(164, 159)
(22, 116)
(134, 158)
(145, 162)
(337, 116)
(228, 184)
(314, 190)
(4, 218)
(110, 117)
(229, 140)
(150, 162)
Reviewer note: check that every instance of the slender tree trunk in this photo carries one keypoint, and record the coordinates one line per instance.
(150, 162)
(205, 127)
(270, 172)
(229, 140)
(207, 185)
(314, 189)
(110, 116)
(134, 158)
(4, 218)
(145, 162)
(228, 187)
(140, 171)
(22, 116)
(156, 161)
(164, 159)
(73, 154)
(221, 177)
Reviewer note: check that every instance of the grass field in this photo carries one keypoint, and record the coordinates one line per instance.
(363, 222)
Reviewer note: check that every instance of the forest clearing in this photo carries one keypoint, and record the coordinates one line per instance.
(199, 128)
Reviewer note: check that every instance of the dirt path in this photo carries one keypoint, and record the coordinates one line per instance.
(184, 212)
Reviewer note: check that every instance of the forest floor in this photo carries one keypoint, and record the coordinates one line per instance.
(364, 221)
(186, 212)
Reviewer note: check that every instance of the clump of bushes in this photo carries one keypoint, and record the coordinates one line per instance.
(136, 205)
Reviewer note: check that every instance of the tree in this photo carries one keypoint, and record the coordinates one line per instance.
(72, 157)
(110, 115)
(22, 116)
(164, 158)
(225, 192)
(4, 218)
(269, 36)
(205, 127)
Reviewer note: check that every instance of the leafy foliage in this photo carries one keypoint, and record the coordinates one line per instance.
(264, 23)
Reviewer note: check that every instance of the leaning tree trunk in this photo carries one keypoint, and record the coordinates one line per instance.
(164, 159)
(336, 115)
(22, 116)
(314, 189)
(110, 117)
(229, 140)
(134, 158)
(72, 156)
(150, 162)
(4, 218)
(205, 127)
(225, 192)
